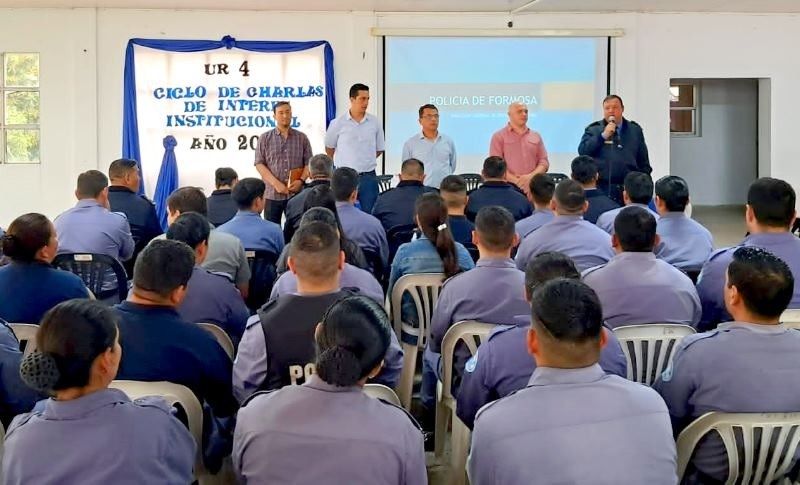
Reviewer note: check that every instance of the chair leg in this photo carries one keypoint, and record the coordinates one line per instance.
(459, 451)
(405, 388)
(442, 418)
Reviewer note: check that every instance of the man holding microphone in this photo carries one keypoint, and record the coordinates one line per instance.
(617, 145)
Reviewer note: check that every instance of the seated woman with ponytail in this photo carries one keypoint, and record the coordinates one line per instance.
(87, 433)
(328, 430)
(29, 286)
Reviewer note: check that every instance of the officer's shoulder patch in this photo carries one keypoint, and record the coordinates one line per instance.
(256, 394)
(403, 410)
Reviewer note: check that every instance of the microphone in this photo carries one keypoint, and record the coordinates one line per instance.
(612, 119)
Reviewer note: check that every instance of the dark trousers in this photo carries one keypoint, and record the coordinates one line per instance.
(274, 210)
(367, 190)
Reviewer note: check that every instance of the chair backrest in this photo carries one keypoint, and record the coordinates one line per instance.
(557, 177)
(649, 348)
(424, 290)
(760, 446)
(375, 263)
(384, 182)
(399, 235)
(263, 274)
(26, 334)
(791, 318)
(473, 180)
(224, 340)
(473, 334)
(92, 269)
(379, 391)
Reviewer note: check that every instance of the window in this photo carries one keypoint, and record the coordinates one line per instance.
(683, 112)
(19, 105)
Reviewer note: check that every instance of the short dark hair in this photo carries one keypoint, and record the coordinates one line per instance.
(547, 266)
(319, 214)
(315, 251)
(91, 183)
(674, 191)
(611, 97)
(190, 228)
(320, 165)
(279, 104)
(494, 167)
(163, 266)
(188, 199)
(542, 188)
(772, 201)
(639, 187)
(248, 190)
(584, 169)
(121, 167)
(224, 176)
(412, 167)
(343, 183)
(568, 309)
(454, 184)
(495, 226)
(635, 228)
(570, 196)
(426, 106)
(764, 280)
(26, 235)
(355, 88)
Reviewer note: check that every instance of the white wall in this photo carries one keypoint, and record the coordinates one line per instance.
(721, 163)
(82, 91)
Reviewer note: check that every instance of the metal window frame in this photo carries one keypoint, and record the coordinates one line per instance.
(5, 128)
(694, 109)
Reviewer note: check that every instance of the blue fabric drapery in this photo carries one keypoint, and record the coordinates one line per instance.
(130, 125)
(167, 180)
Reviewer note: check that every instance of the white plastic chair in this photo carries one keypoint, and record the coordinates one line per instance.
(379, 391)
(791, 318)
(749, 461)
(26, 332)
(424, 290)
(224, 340)
(648, 348)
(173, 394)
(467, 332)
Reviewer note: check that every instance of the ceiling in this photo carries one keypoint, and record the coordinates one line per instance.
(526, 6)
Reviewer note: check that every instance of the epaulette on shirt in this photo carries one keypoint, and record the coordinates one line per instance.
(222, 274)
(587, 271)
(490, 404)
(500, 329)
(596, 123)
(408, 415)
(719, 252)
(690, 340)
(267, 306)
(20, 421)
(156, 402)
(121, 214)
(147, 199)
(255, 394)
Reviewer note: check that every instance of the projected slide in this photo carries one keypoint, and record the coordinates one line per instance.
(473, 80)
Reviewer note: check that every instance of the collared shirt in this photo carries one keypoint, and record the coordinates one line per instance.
(102, 437)
(606, 219)
(221, 207)
(585, 243)
(91, 228)
(352, 255)
(737, 368)
(301, 425)
(225, 255)
(685, 243)
(615, 160)
(140, 212)
(503, 194)
(280, 155)
(571, 424)
(255, 232)
(395, 207)
(351, 277)
(533, 222)
(503, 365)
(31, 289)
(522, 152)
(438, 155)
(364, 229)
(295, 208)
(461, 228)
(356, 142)
(15, 396)
(711, 282)
(598, 204)
(212, 298)
(636, 288)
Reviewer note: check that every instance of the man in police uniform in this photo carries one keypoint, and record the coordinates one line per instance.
(638, 192)
(618, 146)
(277, 348)
(573, 423)
(503, 365)
(395, 207)
(541, 193)
(496, 190)
(748, 365)
(320, 167)
(584, 171)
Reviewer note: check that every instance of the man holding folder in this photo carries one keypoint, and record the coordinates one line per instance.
(282, 160)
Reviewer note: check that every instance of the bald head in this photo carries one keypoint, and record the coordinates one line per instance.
(518, 114)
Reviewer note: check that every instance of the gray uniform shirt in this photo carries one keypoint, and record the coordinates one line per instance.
(225, 255)
(91, 228)
(574, 426)
(321, 433)
(585, 243)
(351, 277)
(685, 243)
(638, 288)
(606, 219)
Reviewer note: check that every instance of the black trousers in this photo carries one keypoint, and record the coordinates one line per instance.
(274, 210)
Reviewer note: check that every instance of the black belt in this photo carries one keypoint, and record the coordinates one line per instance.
(371, 172)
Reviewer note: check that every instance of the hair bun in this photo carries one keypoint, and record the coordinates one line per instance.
(39, 371)
(339, 366)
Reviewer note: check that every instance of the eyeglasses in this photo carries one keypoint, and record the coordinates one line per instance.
(431, 117)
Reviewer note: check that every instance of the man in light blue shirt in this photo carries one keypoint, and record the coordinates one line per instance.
(637, 191)
(541, 190)
(685, 243)
(435, 150)
(255, 233)
(355, 140)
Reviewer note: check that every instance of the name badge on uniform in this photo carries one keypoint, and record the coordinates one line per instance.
(609, 142)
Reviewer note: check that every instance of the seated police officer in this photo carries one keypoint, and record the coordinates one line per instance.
(254, 232)
(635, 287)
(453, 191)
(638, 191)
(568, 233)
(395, 207)
(573, 423)
(584, 171)
(541, 189)
(496, 190)
(221, 207)
(320, 168)
(277, 348)
(503, 365)
(748, 365)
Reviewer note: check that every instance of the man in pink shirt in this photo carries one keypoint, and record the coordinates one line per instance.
(521, 147)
